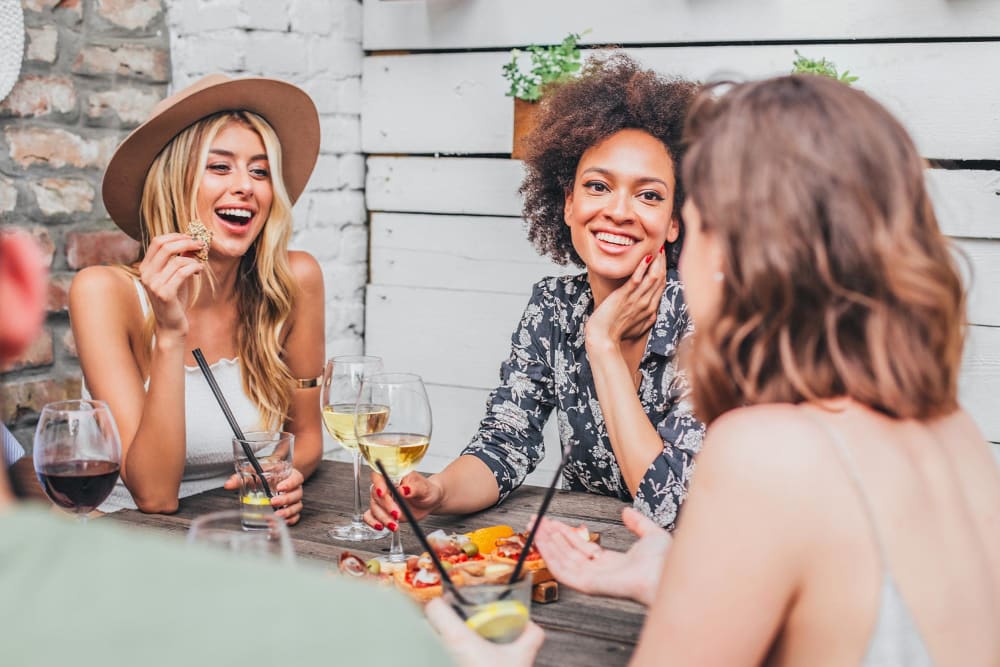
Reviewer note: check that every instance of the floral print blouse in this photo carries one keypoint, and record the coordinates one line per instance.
(548, 368)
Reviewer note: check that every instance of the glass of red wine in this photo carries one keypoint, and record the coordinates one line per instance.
(77, 454)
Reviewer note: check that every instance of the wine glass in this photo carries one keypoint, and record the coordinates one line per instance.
(77, 454)
(224, 530)
(342, 378)
(403, 439)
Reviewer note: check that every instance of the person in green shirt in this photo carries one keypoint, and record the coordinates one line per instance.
(105, 595)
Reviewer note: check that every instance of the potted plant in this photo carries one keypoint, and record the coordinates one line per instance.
(822, 67)
(548, 65)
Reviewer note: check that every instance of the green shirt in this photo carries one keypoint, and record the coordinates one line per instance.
(99, 594)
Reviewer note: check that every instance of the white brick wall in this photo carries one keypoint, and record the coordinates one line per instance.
(315, 44)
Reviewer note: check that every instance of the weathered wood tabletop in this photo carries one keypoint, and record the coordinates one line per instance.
(580, 630)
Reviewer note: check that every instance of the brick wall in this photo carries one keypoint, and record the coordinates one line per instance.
(93, 69)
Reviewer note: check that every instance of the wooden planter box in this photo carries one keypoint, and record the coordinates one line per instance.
(525, 118)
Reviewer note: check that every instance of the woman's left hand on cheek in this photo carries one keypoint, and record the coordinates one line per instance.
(287, 501)
(630, 310)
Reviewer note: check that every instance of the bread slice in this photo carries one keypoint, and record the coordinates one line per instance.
(536, 566)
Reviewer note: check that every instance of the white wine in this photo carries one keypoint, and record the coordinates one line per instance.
(339, 421)
(398, 452)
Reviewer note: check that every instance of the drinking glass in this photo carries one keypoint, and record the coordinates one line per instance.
(342, 378)
(224, 530)
(77, 454)
(498, 612)
(273, 451)
(402, 442)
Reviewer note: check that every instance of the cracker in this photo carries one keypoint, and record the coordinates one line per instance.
(200, 232)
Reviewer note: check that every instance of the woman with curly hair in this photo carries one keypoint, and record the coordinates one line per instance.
(845, 510)
(206, 186)
(602, 191)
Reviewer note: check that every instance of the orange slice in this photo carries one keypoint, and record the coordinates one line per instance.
(486, 538)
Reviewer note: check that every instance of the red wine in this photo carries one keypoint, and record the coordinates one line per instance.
(78, 485)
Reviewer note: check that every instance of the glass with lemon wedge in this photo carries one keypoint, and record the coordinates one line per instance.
(498, 612)
(274, 456)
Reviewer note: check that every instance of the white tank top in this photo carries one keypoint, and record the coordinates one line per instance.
(209, 457)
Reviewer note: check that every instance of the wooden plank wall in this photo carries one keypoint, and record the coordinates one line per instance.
(450, 267)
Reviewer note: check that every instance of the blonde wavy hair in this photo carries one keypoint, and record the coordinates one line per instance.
(837, 280)
(265, 287)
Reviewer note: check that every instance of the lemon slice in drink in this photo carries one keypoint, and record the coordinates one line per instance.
(500, 622)
(257, 498)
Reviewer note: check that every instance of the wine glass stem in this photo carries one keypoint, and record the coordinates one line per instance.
(396, 554)
(356, 518)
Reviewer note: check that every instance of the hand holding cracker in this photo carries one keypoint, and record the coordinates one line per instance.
(165, 272)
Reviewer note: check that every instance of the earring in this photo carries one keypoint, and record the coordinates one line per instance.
(718, 276)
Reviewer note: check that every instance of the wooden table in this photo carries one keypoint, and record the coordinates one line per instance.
(580, 630)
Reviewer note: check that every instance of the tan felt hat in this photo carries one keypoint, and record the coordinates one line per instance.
(287, 108)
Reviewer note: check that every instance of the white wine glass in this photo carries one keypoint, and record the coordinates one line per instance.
(342, 378)
(77, 454)
(402, 442)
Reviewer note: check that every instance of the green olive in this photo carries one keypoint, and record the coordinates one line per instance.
(374, 567)
(470, 549)
(446, 565)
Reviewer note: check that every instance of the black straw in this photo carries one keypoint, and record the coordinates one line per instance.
(419, 533)
(551, 491)
(237, 431)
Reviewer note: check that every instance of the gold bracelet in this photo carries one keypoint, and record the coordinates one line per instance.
(308, 383)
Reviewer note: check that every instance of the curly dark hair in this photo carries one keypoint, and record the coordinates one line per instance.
(613, 93)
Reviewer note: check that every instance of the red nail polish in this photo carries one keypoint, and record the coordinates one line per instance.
(406, 490)
(378, 492)
(393, 526)
(649, 258)
(395, 514)
(379, 526)
(661, 250)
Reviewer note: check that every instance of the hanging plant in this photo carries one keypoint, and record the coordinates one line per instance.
(821, 67)
(547, 65)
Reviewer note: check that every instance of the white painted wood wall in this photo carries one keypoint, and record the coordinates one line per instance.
(450, 267)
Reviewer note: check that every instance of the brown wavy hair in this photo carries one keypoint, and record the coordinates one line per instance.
(837, 280)
(613, 93)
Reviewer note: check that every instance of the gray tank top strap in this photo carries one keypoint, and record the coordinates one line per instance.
(895, 639)
(851, 467)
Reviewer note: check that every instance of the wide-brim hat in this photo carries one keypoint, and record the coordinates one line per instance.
(286, 108)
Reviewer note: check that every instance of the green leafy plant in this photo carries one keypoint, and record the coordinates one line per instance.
(549, 64)
(822, 67)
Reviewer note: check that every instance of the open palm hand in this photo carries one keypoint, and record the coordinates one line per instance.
(591, 569)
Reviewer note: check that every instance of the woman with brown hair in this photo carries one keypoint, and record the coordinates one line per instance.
(845, 508)
(598, 349)
(207, 186)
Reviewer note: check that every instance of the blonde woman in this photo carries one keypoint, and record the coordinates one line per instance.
(233, 155)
